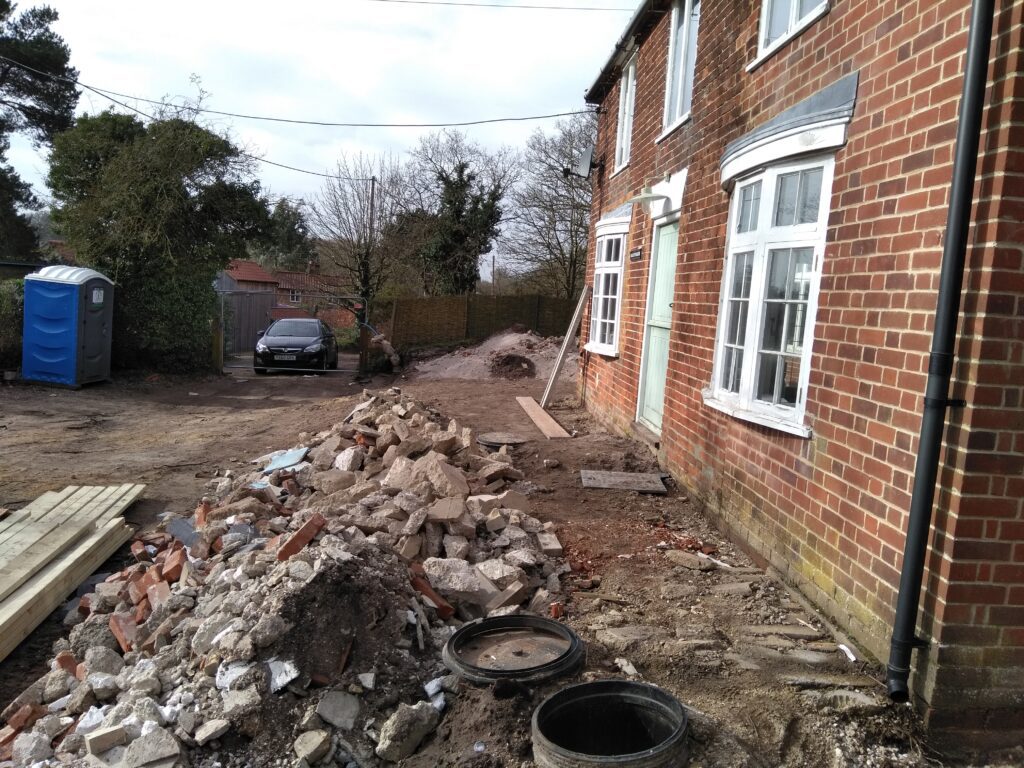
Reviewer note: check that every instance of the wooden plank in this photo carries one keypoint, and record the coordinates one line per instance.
(76, 523)
(644, 482)
(542, 418)
(34, 510)
(49, 587)
(11, 541)
(570, 337)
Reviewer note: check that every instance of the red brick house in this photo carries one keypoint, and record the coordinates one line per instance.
(311, 294)
(243, 275)
(764, 319)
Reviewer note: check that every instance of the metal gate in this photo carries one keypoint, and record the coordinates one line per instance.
(245, 315)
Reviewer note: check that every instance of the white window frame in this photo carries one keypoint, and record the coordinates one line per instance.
(294, 295)
(607, 231)
(680, 80)
(627, 109)
(760, 241)
(797, 24)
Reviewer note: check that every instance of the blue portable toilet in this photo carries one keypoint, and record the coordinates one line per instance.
(69, 312)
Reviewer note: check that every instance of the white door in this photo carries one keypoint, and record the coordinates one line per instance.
(658, 324)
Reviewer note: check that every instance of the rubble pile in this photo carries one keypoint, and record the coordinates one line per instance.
(297, 617)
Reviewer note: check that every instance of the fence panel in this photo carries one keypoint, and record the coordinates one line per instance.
(446, 319)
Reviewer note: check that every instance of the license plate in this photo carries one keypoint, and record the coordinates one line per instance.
(284, 357)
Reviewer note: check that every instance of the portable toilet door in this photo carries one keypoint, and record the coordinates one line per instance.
(68, 319)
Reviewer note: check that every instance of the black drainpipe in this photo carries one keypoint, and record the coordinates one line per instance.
(940, 365)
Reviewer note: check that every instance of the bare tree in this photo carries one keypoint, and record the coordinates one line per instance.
(548, 222)
(442, 152)
(350, 214)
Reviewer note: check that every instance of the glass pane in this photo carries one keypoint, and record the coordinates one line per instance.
(810, 195)
(691, 60)
(750, 203)
(610, 312)
(797, 317)
(732, 364)
(800, 282)
(737, 317)
(767, 370)
(676, 63)
(778, 273)
(741, 273)
(774, 315)
(790, 380)
(778, 19)
(615, 252)
(613, 284)
(806, 6)
(785, 199)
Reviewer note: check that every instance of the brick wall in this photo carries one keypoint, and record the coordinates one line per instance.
(829, 511)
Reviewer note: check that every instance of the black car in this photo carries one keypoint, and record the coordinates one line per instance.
(296, 343)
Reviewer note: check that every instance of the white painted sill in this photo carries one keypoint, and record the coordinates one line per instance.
(766, 53)
(754, 417)
(674, 127)
(616, 171)
(601, 349)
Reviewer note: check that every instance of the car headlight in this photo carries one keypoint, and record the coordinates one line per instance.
(261, 347)
(314, 347)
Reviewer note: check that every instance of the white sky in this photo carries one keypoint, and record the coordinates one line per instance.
(347, 60)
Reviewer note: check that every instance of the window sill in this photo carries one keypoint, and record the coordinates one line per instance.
(616, 171)
(754, 417)
(601, 349)
(766, 53)
(673, 127)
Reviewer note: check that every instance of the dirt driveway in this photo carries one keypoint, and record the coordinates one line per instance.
(764, 678)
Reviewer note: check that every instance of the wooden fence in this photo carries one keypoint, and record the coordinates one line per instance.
(447, 319)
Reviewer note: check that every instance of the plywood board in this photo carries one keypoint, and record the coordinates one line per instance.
(547, 425)
(644, 482)
(570, 338)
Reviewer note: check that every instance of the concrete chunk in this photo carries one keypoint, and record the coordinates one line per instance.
(405, 729)
(340, 709)
(99, 741)
(446, 510)
(549, 544)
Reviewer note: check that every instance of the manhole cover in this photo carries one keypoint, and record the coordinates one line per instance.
(524, 648)
(498, 439)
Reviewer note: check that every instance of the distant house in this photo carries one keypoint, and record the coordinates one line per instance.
(769, 210)
(242, 275)
(310, 294)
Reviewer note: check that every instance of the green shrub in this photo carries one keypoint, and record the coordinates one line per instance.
(12, 303)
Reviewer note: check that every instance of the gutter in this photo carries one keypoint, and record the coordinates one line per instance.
(642, 20)
(940, 365)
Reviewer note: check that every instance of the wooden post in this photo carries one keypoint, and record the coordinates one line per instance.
(570, 337)
(218, 339)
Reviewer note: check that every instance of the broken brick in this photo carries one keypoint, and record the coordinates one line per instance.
(301, 537)
(443, 607)
(151, 577)
(124, 629)
(81, 671)
(7, 735)
(158, 594)
(25, 716)
(67, 661)
(201, 512)
(173, 565)
(142, 610)
(136, 591)
(140, 552)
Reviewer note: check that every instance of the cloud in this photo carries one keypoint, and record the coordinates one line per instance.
(351, 60)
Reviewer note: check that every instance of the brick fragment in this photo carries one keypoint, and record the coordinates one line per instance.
(66, 660)
(173, 565)
(301, 537)
(25, 716)
(158, 594)
(142, 610)
(125, 630)
(81, 671)
(7, 735)
(140, 552)
(84, 605)
(443, 607)
(152, 576)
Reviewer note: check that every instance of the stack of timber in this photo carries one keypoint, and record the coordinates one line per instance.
(51, 546)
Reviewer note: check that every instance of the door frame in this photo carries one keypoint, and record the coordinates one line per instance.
(664, 220)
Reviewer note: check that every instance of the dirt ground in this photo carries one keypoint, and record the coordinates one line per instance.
(763, 679)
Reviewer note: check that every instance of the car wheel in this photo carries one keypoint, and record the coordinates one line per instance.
(334, 363)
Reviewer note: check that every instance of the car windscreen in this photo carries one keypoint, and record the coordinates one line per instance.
(294, 328)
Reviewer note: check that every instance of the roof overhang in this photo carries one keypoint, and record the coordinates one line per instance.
(643, 20)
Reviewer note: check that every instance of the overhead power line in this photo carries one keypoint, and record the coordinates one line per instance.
(521, 6)
(110, 95)
(107, 93)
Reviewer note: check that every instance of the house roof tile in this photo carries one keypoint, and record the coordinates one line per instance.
(249, 271)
